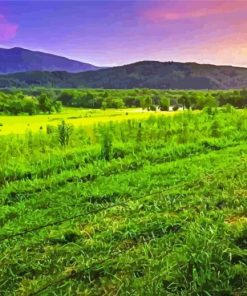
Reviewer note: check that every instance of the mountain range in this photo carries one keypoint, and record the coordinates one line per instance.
(18, 59)
(37, 69)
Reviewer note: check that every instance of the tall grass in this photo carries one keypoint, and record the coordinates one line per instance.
(187, 238)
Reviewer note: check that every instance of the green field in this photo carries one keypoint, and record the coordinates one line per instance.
(77, 117)
(149, 205)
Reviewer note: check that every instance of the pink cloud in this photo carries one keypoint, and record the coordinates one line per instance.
(192, 10)
(7, 30)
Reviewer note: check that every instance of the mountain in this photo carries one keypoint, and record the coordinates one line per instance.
(22, 60)
(146, 74)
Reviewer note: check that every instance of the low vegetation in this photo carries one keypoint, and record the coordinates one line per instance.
(151, 206)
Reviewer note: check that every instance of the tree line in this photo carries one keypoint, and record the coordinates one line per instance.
(37, 101)
(152, 99)
(17, 103)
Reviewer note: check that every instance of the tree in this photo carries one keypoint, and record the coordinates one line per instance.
(116, 103)
(57, 105)
(243, 98)
(66, 97)
(201, 100)
(132, 102)
(156, 100)
(185, 101)
(146, 102)
(152, 108)
(15, 106)
(45, 103)
(164, 104)
(30, 105)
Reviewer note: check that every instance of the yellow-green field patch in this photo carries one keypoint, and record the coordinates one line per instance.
(77, 117)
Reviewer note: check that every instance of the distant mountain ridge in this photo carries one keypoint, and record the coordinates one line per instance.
(145, 74)
(18, 59)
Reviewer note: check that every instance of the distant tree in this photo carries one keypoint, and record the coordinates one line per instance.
(105, 94)
(116, 103)
(66, 97)
(164, 104)
(30, 105)
(4, 106)
(146, 102)
(97, 102)
(201, 100)
(87, 100)
(152, 108)
(185, 101)
(45, 103)
(132, 102)
(57, 105)
(156, 99)
(234, 98)
(243, 98)
(15, 106)
(19, 95)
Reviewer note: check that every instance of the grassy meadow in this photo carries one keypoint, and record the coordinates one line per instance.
(78, 117)
(124, 202)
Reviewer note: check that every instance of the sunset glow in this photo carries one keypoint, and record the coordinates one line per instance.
(121, 32)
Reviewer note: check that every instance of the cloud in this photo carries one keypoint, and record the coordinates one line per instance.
(7, 30)
(181, 10)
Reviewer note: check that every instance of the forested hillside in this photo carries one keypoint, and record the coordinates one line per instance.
(156, 75)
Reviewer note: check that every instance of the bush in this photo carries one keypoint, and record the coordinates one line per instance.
(215, 129)
(50, 129)
(164, 108)
(152, 108)
(228, 108)
(106, 146)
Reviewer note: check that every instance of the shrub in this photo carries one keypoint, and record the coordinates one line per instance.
(215, 129)
(228, 108)
(49, 129)
(64, 132)
(164, 108)
(106, 146)
(152, 108)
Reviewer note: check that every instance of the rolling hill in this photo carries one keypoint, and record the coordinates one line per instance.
(146, 74)
(22, 60)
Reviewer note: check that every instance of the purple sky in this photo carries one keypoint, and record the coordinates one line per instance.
(121, 32)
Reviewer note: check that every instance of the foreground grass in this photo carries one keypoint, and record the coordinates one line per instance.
(166, 215)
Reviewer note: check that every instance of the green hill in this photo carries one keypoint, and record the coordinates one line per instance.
(147, 74)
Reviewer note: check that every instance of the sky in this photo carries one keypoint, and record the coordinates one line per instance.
(109, 33)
